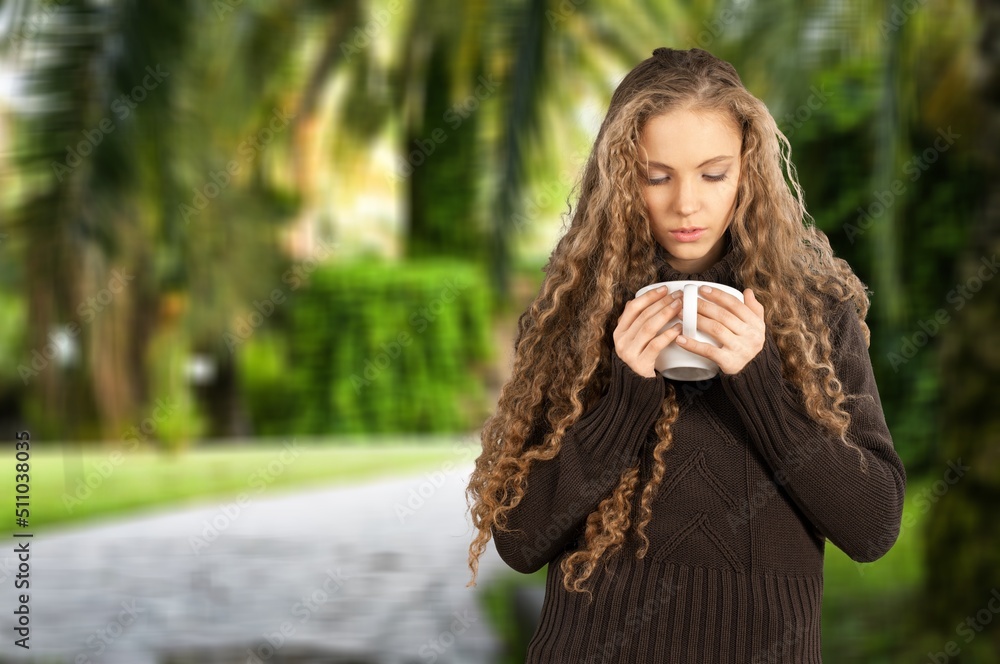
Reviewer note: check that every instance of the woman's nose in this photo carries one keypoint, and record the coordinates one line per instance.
(686, 202)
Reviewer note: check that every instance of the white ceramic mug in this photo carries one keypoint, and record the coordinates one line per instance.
(674, 361)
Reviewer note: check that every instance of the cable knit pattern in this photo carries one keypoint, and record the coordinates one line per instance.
(734, 572)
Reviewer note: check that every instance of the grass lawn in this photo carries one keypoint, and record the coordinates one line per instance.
(72, 483)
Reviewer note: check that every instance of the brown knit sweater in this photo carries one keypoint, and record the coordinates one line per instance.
(754, 486)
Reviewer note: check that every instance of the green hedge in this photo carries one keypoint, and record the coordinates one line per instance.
(374, 347)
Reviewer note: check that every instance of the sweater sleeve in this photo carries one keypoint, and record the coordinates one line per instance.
(859, 512)
(562, 491)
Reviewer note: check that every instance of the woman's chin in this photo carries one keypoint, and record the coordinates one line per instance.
(686, 251)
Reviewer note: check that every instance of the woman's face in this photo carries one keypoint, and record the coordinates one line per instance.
(694, 169)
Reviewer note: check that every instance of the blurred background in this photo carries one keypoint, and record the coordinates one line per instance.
(260, 270)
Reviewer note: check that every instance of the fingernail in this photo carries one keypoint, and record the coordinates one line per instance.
(706, 289)
(681, 339)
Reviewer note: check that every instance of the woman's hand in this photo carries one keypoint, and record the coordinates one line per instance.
(637, 337)
(737, 326)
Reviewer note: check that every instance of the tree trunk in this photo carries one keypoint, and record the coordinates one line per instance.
(442, 153)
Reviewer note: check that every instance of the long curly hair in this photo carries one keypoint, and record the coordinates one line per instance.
(607, 254)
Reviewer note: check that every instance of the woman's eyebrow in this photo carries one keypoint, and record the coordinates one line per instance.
(707, 161)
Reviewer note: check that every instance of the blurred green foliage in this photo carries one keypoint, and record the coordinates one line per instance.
(169, 349)
(12, 333)
(375, 346)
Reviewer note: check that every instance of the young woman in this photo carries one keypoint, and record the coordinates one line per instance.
(695, 514)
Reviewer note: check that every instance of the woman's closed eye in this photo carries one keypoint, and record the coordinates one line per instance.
(710, 178)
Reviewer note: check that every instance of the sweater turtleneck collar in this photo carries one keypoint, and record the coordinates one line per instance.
(723, 271)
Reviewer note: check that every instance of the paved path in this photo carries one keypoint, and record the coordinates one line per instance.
(330, 575)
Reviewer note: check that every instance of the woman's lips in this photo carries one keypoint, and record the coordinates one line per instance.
(689, 236)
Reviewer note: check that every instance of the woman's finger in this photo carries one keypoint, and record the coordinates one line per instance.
(733, 321)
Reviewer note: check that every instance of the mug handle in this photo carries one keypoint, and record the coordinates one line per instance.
(690, 313)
